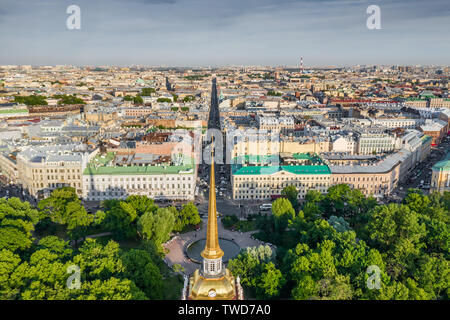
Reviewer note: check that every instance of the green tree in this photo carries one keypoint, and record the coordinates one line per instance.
(138, 100)
(110, 289)
(17, 222)
(55, 206)
(142, 204)
(64, 207)
(188, 98)
(314, 196)
(351, 204)
(229, 221)
(98, 261)
(250, 266)
(156, 226)
(397, 230)
(337, 288)
(140, 268)
(11, 274)
(32, 100)
(270, 282)
(283, 212)
(147, 91)
(45, 277)
(120, 218)
(291, 193)
(68, 99)
(339, 223)
(188, 215)
(57, 246)
(390, 225)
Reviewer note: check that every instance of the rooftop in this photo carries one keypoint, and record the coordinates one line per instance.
(264, 170)
(443, 165)
(142, 170)
(8, 111)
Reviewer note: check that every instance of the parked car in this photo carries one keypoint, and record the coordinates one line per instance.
(265, 206)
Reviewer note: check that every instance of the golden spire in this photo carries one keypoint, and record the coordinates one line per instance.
(212, 249)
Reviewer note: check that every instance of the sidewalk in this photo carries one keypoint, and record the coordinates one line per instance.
(177, 244)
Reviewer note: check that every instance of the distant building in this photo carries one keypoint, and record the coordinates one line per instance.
(440, 177)
(375, 143)
(267, 182)
(45, 168)
(108, 177)
(435, 128)
(347, 144)
(275, 123)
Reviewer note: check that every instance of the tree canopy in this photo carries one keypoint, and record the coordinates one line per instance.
(331, 247)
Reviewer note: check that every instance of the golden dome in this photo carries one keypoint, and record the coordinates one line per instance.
(201, 288)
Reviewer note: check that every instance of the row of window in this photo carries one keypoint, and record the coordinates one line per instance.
(143, 186)
(349, 179)
(300, 178)
(214, 266)
(150, 179)
(42, 185)
(278, 185)
(56, 170)
(98, 196)
(51, 177)
(263, 191)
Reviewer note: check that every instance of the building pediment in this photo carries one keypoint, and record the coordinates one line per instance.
(283, 173)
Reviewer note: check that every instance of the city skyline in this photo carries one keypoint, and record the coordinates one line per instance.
(270, 151)
(196, 33)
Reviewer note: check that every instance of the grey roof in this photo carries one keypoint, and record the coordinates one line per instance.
(384, 166)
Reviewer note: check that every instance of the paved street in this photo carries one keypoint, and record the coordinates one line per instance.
(225, 205)
(423, 171)
(13, 190)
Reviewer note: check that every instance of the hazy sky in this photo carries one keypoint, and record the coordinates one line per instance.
(228, 32)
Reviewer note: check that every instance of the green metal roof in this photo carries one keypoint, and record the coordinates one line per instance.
(264, 170)
(13, 111)
(425, 139)
(305, 156)
(103, 160)
(301, 156)
(443, 165)
(133, 170)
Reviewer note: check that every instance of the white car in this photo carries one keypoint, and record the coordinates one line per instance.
(265, 206)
